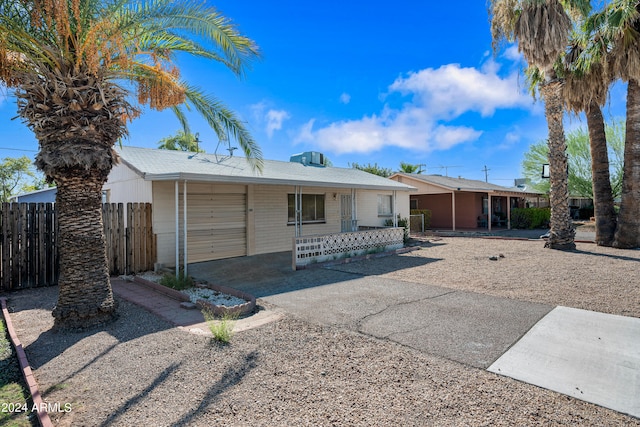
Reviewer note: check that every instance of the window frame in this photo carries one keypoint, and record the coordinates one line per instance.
(306, 201)
(383, 214)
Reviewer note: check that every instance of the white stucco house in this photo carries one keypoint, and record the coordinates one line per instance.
(228, 209)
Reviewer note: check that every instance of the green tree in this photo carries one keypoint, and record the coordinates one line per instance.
(374, 169)
(541, 30)
(80, 70)
(15, 175)
(409, 168)
(579, 161)
(181, 141)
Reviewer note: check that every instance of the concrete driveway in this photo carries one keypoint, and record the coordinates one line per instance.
(470, 328)
(588, 355)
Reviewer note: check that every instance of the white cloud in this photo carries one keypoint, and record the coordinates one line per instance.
(275, 119)
(436, 97)
(511, 53)
(272, 119)
(450, 90)
(406, 129)
(345, 98)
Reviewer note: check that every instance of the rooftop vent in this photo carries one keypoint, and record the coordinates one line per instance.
(309, 158)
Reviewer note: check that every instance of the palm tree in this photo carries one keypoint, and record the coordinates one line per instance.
(541, 29)
(586, 89)
(409, 168)
(619, 27)
(73, 65)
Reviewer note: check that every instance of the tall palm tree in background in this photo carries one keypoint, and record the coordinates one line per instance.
(541, 30)
(72, 65)
(618, 25)
(586, 90)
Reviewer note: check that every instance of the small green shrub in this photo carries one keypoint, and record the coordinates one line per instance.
(221, 328)
(179, 282)
(530, 218)
(402, 222)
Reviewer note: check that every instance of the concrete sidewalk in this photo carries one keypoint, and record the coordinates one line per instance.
(591, 356)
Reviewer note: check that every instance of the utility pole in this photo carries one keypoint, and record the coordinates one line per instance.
(486, 173)
(420, 167)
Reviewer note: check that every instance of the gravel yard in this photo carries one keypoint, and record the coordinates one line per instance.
(592, 277)
(142, 371)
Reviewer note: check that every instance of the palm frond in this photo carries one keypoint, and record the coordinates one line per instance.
(224, 122)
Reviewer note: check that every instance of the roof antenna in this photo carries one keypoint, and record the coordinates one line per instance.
(196, 139)
(226, 140)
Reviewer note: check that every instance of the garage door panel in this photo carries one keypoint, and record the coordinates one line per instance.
(216, 226)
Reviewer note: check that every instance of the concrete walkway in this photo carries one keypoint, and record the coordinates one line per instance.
(590, 356)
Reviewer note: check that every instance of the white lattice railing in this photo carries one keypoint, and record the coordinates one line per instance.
(325, 247)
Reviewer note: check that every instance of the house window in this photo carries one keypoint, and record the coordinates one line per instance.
(385, 205)
(312, 208)
(413, 204)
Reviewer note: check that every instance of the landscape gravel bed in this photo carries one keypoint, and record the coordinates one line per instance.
(213, 297)
(140, 370)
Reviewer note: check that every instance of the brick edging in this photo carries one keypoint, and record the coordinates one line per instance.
(43, 416)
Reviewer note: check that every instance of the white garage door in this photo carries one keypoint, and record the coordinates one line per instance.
(216, 226)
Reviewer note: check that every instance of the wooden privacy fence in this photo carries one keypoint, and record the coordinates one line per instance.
(28, 242)
(130, 248)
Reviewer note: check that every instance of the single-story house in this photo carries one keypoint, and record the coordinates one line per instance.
(233, 210)
(458, 203)
(46, 195)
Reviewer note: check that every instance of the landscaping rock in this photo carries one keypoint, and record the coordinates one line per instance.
(188, 305)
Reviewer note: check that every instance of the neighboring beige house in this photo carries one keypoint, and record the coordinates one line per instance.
(232, 210)
(458, 203)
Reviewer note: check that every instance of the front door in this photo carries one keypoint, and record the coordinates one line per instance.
(346, 223)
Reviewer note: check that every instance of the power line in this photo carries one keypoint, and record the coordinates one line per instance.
(18, 149)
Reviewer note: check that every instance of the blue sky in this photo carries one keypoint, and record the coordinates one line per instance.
(374, 82)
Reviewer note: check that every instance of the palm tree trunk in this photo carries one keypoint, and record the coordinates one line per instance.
(602, 194)
(85, 297)
(561, 235)
(628, 231)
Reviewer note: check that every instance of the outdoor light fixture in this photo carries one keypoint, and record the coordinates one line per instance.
(545, 170)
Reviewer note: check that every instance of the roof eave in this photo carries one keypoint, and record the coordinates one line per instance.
(180, 176)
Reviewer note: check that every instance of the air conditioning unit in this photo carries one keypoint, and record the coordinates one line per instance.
(308, 158)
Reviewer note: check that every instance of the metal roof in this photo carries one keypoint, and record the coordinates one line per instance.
(462, 184)
(170, 165)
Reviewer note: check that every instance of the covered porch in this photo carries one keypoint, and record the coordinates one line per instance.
(464, 204)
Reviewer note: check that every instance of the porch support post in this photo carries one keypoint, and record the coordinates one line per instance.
(184, 210)
(354, 214)
(489, 211)
(298, 210)
(395, 209)
(453, 210)
(508, 212)
(177, 196)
